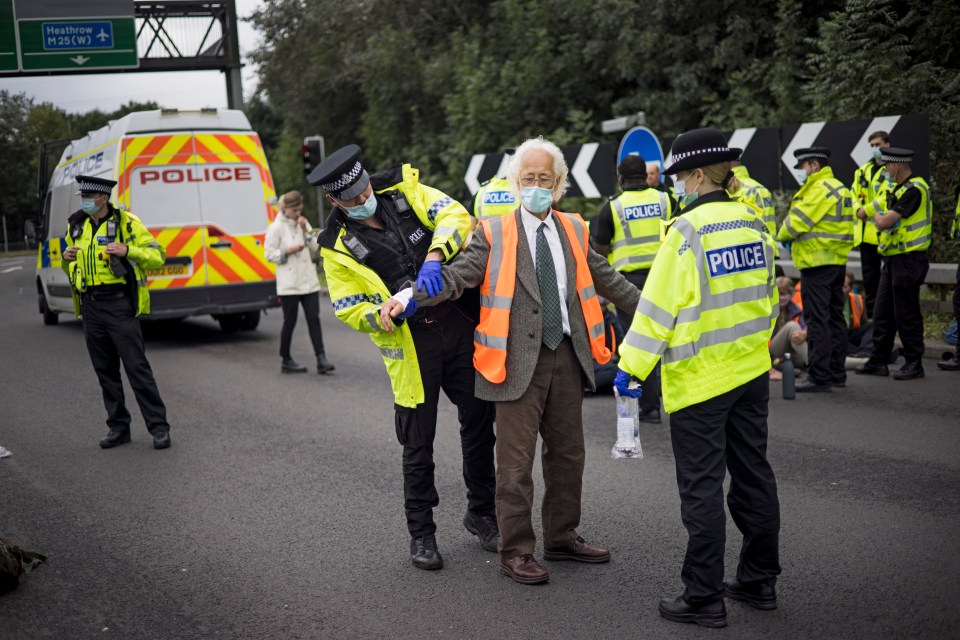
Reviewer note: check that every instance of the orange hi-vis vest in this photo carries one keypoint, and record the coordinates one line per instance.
(856, 309)
(499, 284)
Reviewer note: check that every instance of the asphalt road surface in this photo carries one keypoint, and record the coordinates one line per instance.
(278, 512)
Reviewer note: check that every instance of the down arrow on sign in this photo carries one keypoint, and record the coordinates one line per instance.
(79, 59)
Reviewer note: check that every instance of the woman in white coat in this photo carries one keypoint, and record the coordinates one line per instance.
(297, 284)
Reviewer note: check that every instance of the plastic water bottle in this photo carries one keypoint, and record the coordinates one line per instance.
(628, 428)
(789, 378)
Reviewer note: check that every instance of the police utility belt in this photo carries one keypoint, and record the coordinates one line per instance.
(431, 315)
(106, 292)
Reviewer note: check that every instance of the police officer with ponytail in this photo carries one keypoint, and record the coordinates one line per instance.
(707, 313)
(108, 254)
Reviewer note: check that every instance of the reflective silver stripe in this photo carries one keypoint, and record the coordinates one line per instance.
(496, 251)
(723, 300)
(588, 292)
(917, 241)
(915, 225)
(664, 211)
(597, 330)
(489, 341)
(443, 230)
(803, 217)
(842, 237)
(393, 354)
(372, 320)
(655, 313)
(618, 206)
(834, 192)
(629, 242)
(643, 343)
(579, 229)
(495, 302)
(715, 338)
(622, 262)
(789, 227)
(455, 236)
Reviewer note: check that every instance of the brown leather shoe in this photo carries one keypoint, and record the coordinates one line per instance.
(524, 569)
(580, 551)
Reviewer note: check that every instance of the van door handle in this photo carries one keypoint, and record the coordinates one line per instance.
(222, 244)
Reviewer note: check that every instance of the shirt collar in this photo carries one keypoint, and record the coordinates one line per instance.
(530, 220)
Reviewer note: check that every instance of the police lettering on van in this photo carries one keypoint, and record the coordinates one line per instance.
(196, 174)
(742, 257)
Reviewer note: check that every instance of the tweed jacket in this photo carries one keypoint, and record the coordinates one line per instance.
(524, 337)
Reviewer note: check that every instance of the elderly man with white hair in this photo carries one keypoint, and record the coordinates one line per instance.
(541, 327)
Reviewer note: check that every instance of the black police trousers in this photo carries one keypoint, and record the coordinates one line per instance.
(822, 294)
(898, 307)
(729, 431)
(444, 344)
(651, 386)
(113, 336)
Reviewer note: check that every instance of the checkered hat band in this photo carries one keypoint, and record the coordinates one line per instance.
(808, 156)
(91, 186)
(344, 180)
(697, 152)
(888, 158)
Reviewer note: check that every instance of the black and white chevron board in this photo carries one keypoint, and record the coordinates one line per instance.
(767, 153)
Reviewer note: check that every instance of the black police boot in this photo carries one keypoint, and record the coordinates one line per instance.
(910, 371)
(324, 365)
(951, 363)
(713, 615)
(872, 368)
(424, 553)
(485, 528)
(161, 440)
(291, 366)
(812, 386)
(758, 595)
(114, 438)
(651, 416)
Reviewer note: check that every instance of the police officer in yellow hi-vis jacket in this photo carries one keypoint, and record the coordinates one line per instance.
(756, 194)
(628, 230)
(494, 198)
(108, 254)
(387, 229)
(869, 193)
(819, 228)
(906, 230)
(707, 312)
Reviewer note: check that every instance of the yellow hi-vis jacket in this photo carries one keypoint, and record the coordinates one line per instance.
(708, 307)
(820, 222)
(92, 266)
(869, 191)
(357, 292)
(913, 233)
(638, 216)
(955, 229)
(754, 192)
(494, 198)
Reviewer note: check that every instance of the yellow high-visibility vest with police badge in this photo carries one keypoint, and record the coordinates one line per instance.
(494, 198)
(870, 192)
(708, 307)
(637, 220)
(915, 232)
(820, 222)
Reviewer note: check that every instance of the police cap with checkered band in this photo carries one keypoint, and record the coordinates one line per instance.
(895, 154)
(341, 173)
(821, 154)
(699, 148)
(92, 186)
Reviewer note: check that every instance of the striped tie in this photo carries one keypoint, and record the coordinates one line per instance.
(547, 279)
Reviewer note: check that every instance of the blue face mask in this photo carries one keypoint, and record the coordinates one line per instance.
(801, 176)
(680, 192)
(536, 199)
(363, 211)
(876, 153)
(886, 176)
(89, 205)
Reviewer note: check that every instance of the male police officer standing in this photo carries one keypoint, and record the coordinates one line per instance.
(627, 230)
(385, 230)
(820, 226)
(906, 230)
(107, 255)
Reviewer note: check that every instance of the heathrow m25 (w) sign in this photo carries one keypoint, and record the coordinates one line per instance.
(61, 35)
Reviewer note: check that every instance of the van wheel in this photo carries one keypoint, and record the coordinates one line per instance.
(230, 323)
(250, 320)
(49, 317)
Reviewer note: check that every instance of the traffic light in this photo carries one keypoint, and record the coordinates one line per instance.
(312, 153)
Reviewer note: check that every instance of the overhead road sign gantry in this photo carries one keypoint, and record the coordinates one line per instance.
(9, 61)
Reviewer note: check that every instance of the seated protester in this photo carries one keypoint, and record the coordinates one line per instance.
(605, 373)
(789, 331)
(859, 329)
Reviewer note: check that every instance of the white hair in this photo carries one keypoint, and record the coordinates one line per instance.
(560, 170)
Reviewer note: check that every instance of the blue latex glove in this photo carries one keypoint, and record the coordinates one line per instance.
(621, 384)
(429, 278)
(409, 311)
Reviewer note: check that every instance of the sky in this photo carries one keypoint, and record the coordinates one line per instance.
(171, 89)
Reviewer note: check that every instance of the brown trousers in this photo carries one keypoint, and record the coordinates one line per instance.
(551, 406)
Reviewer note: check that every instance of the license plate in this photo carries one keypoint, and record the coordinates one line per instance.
(171, 271)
